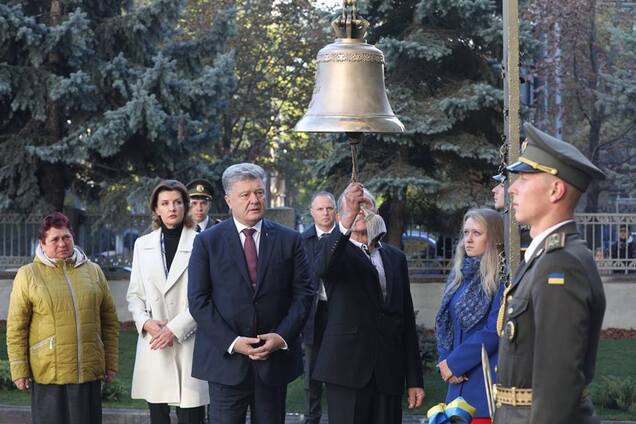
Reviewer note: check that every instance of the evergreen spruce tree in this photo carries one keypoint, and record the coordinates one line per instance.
(275, 46)
(98, 96)
(444, 88)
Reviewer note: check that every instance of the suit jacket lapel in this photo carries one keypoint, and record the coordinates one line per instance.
(525, 267)
(153, 255)
(388, 274)
(312, 238)
(266, 243)
(365, 261)
(235, 249)
(181, 258)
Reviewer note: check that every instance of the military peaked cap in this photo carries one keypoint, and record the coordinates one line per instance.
(544, 153)
(499, 178)
(200, 188)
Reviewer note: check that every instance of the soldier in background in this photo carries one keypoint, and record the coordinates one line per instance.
(200, 192)
(499, 192)
(551, 315)
(499, 198)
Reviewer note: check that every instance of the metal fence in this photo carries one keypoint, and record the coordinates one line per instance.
(428, 254)
(108, 244)
(612, 239)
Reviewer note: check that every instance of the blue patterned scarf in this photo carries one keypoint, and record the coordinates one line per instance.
(471, 308)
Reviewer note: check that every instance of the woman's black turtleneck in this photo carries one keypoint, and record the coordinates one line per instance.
(171, 238)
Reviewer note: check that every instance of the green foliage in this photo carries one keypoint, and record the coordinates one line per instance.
(614, 392)
(587, 86)
(441, 84)
(114, 392)
(418, 45)
(427, 348)
(5, 376)
(102, 94)
(619, 101)
(274, 46)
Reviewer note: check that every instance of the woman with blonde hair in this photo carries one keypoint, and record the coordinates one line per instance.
(158, 300)
(467, 316)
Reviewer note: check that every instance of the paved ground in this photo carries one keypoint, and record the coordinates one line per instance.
(22, 415)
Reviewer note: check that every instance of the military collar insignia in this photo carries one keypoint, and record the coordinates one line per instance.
(554, 242)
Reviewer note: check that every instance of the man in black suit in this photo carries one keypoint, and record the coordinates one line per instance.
(369, 351)
(249, 291)
(323, 212)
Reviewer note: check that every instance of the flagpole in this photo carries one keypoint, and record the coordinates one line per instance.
(511, 119)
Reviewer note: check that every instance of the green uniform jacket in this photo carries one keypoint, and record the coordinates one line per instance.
(552, 325)
(62, 325)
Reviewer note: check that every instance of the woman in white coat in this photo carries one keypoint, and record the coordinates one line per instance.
(158, 300)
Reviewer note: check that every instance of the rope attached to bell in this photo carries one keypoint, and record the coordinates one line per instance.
(354, 140)
(376, 227)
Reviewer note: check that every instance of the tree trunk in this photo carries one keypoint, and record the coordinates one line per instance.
(51, 175)
(594, 189)
(395, 217)
(596, 117)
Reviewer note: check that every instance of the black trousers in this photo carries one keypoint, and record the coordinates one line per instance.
(313, 388)
(66, 403)
(362, 406)
(160, 414)
(229, 404)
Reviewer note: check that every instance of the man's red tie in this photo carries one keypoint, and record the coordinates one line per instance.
(249, 247)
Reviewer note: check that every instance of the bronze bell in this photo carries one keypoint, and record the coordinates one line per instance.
(349, 94)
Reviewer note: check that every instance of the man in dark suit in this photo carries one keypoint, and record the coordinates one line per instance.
(369, 351)
(200, 192)
(323, 212)
(553, 310)
(249, 291)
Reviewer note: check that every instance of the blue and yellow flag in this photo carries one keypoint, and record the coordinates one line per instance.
(556, 278)
(457, 412)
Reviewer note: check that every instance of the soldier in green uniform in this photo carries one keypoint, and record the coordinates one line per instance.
(200, 192)
(551, 315)
(498, 193)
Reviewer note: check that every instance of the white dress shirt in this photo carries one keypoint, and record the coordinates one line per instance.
(203, 224)
(257, 238)
(322, 293)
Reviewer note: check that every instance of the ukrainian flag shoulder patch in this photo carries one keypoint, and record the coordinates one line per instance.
(556, 278)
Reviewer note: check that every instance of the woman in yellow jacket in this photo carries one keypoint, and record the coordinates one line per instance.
(62, 329)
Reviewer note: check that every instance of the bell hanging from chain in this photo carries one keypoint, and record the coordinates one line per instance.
(349, 93)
